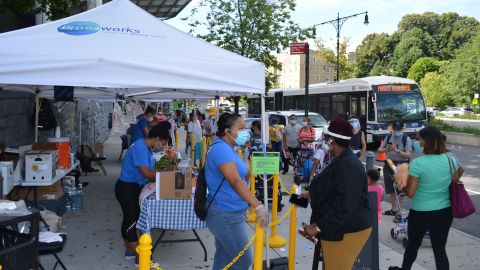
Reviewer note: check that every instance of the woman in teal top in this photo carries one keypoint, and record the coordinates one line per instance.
(429, 187)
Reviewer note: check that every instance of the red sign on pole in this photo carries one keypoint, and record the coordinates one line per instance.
(298, 48)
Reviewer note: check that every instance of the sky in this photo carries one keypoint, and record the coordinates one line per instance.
(384, 15)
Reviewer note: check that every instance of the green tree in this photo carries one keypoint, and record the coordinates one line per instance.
(436, 90)
(423, 65)
(253, 28)
(450, 31)
(464, 72)
(328, 56)
(374, 51)
(54, 9)
(413, 44)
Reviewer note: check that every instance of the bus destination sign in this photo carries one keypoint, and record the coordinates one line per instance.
(394, 88)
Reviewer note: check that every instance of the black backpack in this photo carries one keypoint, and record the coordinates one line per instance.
(200, 199)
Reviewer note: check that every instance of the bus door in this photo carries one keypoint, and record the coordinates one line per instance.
(358, 107)
(279, 101)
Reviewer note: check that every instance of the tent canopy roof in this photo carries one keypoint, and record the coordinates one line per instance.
(120, 45)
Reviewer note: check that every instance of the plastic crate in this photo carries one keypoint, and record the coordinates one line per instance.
(19, 251)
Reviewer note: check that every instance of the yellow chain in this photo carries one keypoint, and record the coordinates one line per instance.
(261, 178)
(155, 266)
(281, 218)
(240, 254)
(285, 189)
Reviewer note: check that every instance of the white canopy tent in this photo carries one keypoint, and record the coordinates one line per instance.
(119, 45)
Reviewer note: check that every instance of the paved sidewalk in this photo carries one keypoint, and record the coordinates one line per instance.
(94, 240)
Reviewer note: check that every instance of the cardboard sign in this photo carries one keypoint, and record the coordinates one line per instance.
(176, 184)
(268, 164)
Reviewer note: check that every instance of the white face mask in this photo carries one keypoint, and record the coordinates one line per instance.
(150, 119)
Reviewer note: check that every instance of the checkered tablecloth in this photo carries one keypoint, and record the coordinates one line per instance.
(168, 215)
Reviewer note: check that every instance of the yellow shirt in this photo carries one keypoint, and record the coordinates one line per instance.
(275, 133)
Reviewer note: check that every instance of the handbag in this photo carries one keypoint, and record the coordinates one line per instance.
(462, 205)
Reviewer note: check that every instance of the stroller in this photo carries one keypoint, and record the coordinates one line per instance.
(259, 191)
(303, 165)
(400, 227)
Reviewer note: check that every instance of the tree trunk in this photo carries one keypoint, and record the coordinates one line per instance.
(236, 101)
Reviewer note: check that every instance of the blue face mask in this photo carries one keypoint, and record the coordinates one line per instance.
(242, 137)
(417, 147)
(305, 124)
(396, 133)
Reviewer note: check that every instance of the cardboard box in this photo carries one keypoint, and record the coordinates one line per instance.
(44, 146)
(175, 184)
(53, 192)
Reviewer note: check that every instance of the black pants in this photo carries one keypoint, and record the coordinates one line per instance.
(293, 152)
(438, 223)
(277, 147)
(127, 195)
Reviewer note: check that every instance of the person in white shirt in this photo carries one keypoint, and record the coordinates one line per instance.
(196, 130)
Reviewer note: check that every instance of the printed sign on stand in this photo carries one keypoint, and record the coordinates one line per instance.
(268, 164)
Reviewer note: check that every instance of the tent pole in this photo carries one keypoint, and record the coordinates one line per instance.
(216, 109)
(37, 111)
(265, 138)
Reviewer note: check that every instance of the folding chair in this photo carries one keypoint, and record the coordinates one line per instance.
(51, 248)
(124, 145)
(98, 160)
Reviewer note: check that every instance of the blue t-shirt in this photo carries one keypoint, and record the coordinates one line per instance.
(226, 199)
(137, 155)
(137, 130)
(433, 191)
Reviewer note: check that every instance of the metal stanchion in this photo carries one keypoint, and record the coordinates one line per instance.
(192, 147)
(144, 251)
(258, 248)
(204, 150)
(176, 139)
(293, 234)
(251, 215)
(275, 240)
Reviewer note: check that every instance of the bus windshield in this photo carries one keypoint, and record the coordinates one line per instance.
(316, 120)
(406, 105)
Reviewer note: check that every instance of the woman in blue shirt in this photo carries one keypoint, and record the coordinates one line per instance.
(226, 172)
(429, 187)
(140, 129)
(137, 169)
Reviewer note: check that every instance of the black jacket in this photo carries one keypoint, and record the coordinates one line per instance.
(339, 198)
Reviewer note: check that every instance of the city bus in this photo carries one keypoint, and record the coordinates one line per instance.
(376, 101)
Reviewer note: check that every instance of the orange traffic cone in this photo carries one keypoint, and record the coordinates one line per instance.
(381, 156)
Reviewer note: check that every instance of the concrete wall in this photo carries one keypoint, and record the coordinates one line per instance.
(463, 138)
(16, 108)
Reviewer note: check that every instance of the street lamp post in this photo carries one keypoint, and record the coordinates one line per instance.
(338, 23)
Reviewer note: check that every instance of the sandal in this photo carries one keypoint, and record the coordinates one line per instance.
(390, 212)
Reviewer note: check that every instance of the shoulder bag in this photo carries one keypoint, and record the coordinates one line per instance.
(462, 205)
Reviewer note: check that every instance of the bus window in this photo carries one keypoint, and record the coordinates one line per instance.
(338, 106)
(409, 106)
(324, 106)
(312, 103)
(269, 104)
(288, 102)
(363, 105)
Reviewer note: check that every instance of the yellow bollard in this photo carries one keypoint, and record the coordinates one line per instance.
(144, 251)
(251, 216)
(293, 234)
(176, 139)
(204, 150)
(192, 148)
(275, 240)
(258, 248)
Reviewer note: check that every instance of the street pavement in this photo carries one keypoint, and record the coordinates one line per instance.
(94, 240)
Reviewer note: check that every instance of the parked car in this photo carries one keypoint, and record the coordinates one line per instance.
(317, 121)
(432, 111)
(454, 111)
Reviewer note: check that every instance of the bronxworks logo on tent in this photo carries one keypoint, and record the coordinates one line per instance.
(81, 28)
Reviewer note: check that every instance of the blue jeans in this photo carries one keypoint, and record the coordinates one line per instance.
(231, 236)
